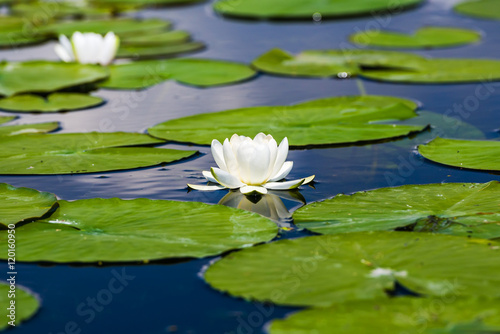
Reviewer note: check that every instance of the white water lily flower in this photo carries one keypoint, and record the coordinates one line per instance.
(251, 165)
(88, 48)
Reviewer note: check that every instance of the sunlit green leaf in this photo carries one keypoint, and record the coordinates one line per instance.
(487, 9)
(52, 103)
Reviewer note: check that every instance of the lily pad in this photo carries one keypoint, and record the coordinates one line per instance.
(189, 71)
(19, 204)
(152, 51)
(14, 130)
(427, 37)
(400, 315)
(331, 63)
(120, 26)
(440, 71)
(26, 305)
(5, 119)
(137, 230)
(59, 10)
(471, 154)
(24, 77)
(159, 38)
(71, 153)
(298, 9)
(486, 9)
(13, 33)
(53, 103)
(142, 3)
(337, 120)
(330, 269)
(466, 209)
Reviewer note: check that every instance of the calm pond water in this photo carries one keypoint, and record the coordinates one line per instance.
(171, 297)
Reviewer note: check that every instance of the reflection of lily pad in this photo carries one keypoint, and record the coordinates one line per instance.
(189, 71)
(454, 208)
(160, 50)
(400, 315)
(18, 204)
(53, 103)
(487, 9)
(135, 230)
(330, 269)
(25, 305)
(299, 9)
(427, 37)
(70, 153)
(16, 78)
(330, 63)
(326, 121)
(472, 154)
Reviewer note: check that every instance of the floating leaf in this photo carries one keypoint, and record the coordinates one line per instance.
(427, 37)
(138, 52)
(5, 119)
(336, 120)
(26, 305)
(24, 77)
(487, 9)
(141, 3)
(330, 269)
(331, 63)
(399, 315)
(53, 103)
(61, 9)
(189, 71)
(135, 230)
(159, 38)
(298, 9)
(19, 204)
(70, 153)
(467, 209)
(13, 32)
(440, 71)
(472, 154)
(14, 130)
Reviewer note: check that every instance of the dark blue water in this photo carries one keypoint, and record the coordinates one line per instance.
(172, 298)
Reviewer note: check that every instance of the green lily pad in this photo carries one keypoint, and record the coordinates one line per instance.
(26, 305)
(427, 37)
(19, 204)
(152, 51)
(5, 119)
(137, 230)
(24, 77)
(120, 26)
(298, 9)
(154, 39)
(142, 3)
(62, 9)
(330, 269)
(471, 154)
(466, 209)
(486, 9)
(189, 71)
(440, 71)
(338, 120)
(13, 33)
(71, 153)
(331, 63)
(14, 130)
(400, 315)
(53, 103)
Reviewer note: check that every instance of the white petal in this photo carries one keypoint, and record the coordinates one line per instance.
(285, 170)
(253, 160)
(109, 47)
(251, 189)
(280, 158)
(209, 176)
(226, 179)
(205, 188)
(273, 149)
(229, 158)
(218, 154)
(63, 54)
(284, 185)
(309, 179)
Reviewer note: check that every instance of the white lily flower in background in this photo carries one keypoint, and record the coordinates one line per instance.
(251, 165)
(88, 48)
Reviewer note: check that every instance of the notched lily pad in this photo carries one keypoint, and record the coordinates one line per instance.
(20, 204)
(426, 37)
(336, 120)
(71, 153)
(24, 77)
(399, 315)
(115, 230)
(466, 209)
(55, 102)
(470, 154)
(331, 269)
(25, 303)
(189, 71)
